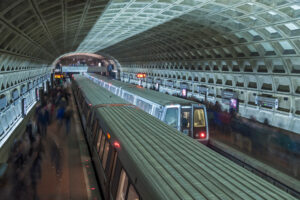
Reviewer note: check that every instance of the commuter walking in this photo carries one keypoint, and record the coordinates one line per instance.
(43, 120)
(68, 116)
(55, 157)
(60, 116)
(35, 174)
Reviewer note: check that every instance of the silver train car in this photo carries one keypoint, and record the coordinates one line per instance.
(184, 115)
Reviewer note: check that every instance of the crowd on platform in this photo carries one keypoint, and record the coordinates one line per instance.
(28, 152)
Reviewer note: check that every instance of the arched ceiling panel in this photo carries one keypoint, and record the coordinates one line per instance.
(46, 28)
(221, 29)
(158, 30)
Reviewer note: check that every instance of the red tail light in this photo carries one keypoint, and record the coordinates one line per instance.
(117, 145)
(201, 135)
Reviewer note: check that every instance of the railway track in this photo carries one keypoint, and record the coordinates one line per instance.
(280, 184)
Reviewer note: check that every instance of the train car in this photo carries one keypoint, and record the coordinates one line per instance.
(140, 157)
(184, 115)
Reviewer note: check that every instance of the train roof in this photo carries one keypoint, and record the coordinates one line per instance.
(96, 94)
(151, 95)
(176, 166)
(112, 81)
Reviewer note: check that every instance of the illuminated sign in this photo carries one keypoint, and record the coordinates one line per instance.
(157, 86)
(267, 102)
(233, 103)
(141, 75)
(229, 94)
(184, 92)
(58, 76)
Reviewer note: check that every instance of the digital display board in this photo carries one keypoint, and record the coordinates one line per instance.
(233, 103)
(184, 92)
(58, 76)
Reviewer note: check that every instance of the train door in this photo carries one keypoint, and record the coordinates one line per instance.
(171, 116)
(199, 121)
(185, 120)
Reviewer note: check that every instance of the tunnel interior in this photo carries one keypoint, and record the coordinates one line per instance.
(250, 47)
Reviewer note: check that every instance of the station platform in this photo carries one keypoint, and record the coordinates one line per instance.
(74, 180)
(77, 180)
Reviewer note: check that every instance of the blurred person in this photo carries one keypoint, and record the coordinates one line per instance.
(55, 155)
(35, 174)
(60, 115)
(68, 117)
(50, 109)
(43, 120)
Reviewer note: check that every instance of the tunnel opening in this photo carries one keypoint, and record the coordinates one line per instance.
(87, 62)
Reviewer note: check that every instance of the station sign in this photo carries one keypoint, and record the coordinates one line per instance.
(169, 83)
(230, 98)
(202, 89)
(229, 94)
(74, 69)
(266, 101)
(183, 85)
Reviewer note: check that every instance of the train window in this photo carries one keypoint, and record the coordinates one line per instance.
(199, 118)
(115, 178)
(172, 117)
(89, 119)
(114, 165)
(185, 118)
(122, 188)
(95, 127)
(102, 146)
(87, 110)
(105, 154)
(99, 140)
(132, 195)
(157, 113)
(110, 158)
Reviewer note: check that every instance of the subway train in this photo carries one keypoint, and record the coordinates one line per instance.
(137, 156)
(186, 116)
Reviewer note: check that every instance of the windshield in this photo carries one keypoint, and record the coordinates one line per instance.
(199, 118)
(172, 117)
